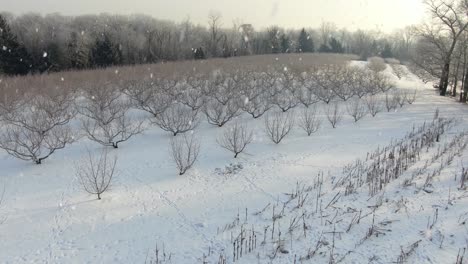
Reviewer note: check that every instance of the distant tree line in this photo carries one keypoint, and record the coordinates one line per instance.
(32, 43)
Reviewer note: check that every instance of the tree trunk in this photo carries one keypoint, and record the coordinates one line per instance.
(455, 79)
(444, 79)
(465, 87)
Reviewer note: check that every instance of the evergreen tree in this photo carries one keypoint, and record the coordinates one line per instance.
(104, 53)
(14, 58)
(305, 42)
(199, 54)
(76, 53)
(387, 51)
(335, 46)
(274, 40)
(284, 42)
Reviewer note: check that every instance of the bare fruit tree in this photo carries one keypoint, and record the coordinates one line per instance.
(309, 121)
(236, 138)
(147, 96)
(391, 101)
(374, 105)
(95, 173)
(106, 118)
(411, 96)
(334, 114)
(218, 114)
(184, 151)
(356, 109)
(39, 127)
(278, 125)
(177, 119)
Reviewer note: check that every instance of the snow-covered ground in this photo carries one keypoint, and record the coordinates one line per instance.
(48, 218)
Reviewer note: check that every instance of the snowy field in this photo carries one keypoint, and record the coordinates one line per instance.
(274, 198)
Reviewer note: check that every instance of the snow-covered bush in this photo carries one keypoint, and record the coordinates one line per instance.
(232, 168)
(376, 64)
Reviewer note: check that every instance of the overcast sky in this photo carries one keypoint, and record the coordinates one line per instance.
(385, 15)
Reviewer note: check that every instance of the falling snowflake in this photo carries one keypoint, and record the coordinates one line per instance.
(4, 48)
(37, 30)
(151, 76)
(44, 54)
(62, 79)
(116, 71)
(246, 100)
(285, 69)
(82, 33)
(92, 97)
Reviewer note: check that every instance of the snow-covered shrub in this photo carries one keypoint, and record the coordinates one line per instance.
(376, 64)
(231, 169)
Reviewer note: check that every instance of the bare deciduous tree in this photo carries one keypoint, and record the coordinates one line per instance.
(309, 121)
(236, 138)
(278, 125)
(257, 106)
(374, 105)
(219, 114)
(391, 101)
(150, 97)
(185, 150)
(106, 116)
(356, 109)
(39, 127)
(177, 119)
(449, 22)
(95, 173)
(411, 96)
(334, 114)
